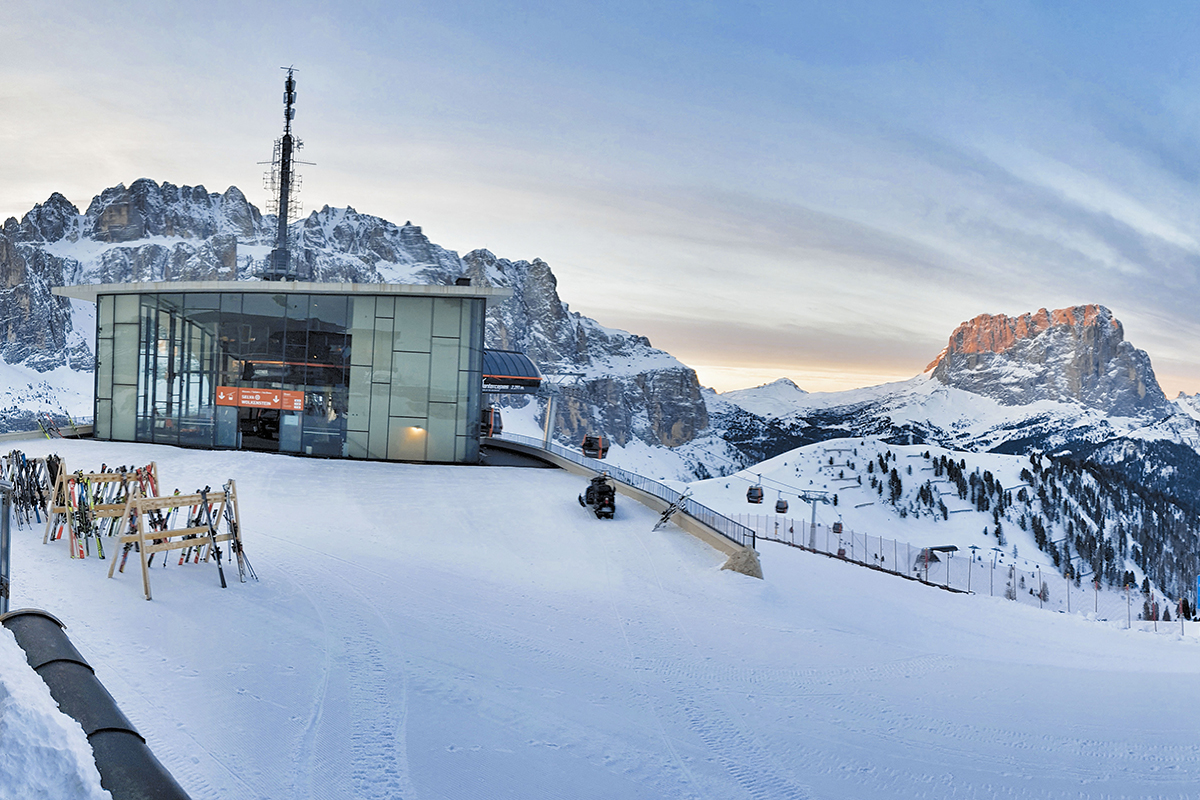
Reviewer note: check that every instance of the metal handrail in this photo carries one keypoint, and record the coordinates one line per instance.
(733, 531)
(6, 502)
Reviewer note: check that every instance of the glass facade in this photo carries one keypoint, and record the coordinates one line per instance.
(359, 376)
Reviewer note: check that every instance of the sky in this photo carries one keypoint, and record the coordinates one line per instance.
(813, 190)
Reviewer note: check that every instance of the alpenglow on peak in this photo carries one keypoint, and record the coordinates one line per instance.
(1076, 354)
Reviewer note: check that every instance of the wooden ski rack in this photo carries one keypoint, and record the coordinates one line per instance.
(61, 503)
(148, 541)
(56, 500)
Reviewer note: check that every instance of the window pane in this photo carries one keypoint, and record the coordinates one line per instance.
(410, 385)
(443, 371)
(414, 319)
(104, 356)
(125, 353)
(446, 318)
(381, 362)
(125, 308)
(406, 439)
(328, 312)
(104, 316)
(440, 446)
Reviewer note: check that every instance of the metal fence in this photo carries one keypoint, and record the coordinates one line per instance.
(734, 531)
(992, 572)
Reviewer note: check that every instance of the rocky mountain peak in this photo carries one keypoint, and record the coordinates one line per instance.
(50, 221)
(1076, 354)
(160, 232)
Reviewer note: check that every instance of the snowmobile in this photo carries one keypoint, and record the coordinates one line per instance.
(601, 495)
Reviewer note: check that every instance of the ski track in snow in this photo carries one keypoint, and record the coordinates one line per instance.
(435, 632)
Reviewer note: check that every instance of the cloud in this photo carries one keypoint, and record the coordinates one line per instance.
(825, 186)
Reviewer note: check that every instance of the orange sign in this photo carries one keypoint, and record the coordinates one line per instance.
(260, 398)
(293, 401)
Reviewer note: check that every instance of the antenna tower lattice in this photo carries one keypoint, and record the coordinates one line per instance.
(283, 183)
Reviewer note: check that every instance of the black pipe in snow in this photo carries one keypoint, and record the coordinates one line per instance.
(128, 770)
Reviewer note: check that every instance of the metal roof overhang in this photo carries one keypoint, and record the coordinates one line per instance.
(507, 371)
(90, 291)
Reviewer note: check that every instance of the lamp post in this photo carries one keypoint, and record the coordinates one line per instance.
(992, 580)
(971, 567)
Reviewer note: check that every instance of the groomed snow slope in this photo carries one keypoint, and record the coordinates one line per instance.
(441, 632)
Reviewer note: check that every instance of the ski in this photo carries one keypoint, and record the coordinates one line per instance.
(212, 533)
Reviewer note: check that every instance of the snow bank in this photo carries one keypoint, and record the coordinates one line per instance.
(426, 631)
(43, 752)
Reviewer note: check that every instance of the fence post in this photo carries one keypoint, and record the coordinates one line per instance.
(6, 489)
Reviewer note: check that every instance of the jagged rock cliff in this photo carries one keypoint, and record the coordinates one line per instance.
(162, 232)
(36, 326)
(627, 389)
(1072, 354)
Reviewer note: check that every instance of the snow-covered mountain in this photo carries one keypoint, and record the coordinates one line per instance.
(1063, 382)
(1076, 355)
(776, 399)
(1060, 381)
(629, 390)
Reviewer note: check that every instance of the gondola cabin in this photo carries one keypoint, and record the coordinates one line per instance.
(781, 506)
(491, 424)
(595, 446)
(754, 494)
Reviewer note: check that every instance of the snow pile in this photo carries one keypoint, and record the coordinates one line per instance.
(43, 752)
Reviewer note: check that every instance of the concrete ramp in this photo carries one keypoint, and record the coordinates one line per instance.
(691, 517)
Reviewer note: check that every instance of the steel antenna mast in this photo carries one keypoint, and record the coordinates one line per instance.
(282, 181)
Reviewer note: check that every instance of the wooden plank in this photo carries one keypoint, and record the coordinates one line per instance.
(141, 528)
(150, 541)
(180, 544)
(169, 501)
(52, 510)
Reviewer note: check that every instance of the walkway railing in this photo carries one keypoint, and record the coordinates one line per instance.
(733, 531)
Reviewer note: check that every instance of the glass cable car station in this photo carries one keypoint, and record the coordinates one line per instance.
(372, 371)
